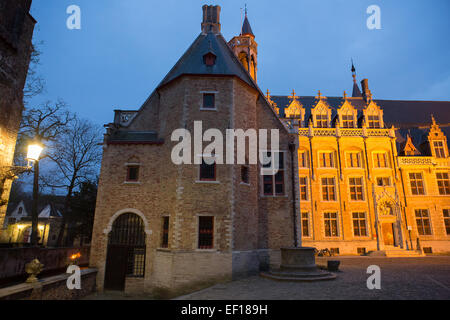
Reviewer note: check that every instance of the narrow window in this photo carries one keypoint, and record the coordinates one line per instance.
(305, 224)
(423, 222)
(207, 171)
(132, 173)
(439, 150)
(328, 189)
(443, 182)
(209, 101)
(302, 160)
(20, 210)
(205, 232)
(245, 174)
(303, 188)
(165, 233)
(331, 224)
(273, 184)
(356, 189)
(353, 160)
(326, 160)
(446, 213)
(380, 160)
(416, 181)
(359, 224)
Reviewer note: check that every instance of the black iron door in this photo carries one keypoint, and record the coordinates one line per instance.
(126, 251)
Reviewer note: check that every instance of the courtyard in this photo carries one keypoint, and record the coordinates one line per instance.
(426, 278)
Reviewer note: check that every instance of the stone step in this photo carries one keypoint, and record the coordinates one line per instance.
(403, 253)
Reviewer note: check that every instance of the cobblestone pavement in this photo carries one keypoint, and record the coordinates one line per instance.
(401, 279)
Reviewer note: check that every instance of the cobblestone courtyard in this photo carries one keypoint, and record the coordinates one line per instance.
(401, 279)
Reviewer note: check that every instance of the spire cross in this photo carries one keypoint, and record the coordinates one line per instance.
(293, 97)
(268, 94)
(319, 94)
(245, 9)
(345, 95)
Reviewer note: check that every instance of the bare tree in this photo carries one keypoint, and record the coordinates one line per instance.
(35, 83)
(77, 155)
(45, 125)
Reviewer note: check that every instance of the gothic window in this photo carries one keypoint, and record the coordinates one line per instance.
(423, 222)
(303, 188)
(305, 224)
(132, 173)
(331, 224)
(328, 189)
(273, 180)
(207, 171)
(209, 101)
(165, 232)
(326, 160)
(443, 182)
(356, 189)
(354, 160)
(380, 160)
(446, 213)
(359, 224)
(322, 120)
(439, 150)
(416, 181)
(348, 121)
(374, 121)
(205, 232)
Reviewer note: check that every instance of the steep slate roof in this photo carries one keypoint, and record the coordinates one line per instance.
(50, 211)
(246, 28)
(356, 92)
(191, 63)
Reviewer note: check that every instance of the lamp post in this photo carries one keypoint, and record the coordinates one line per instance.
(34, 151)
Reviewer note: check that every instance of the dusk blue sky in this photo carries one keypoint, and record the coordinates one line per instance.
(126, 47)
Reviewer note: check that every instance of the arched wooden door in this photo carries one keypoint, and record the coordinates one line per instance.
(126, 251)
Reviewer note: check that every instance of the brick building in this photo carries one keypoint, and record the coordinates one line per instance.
(161, 226)
(16, 32)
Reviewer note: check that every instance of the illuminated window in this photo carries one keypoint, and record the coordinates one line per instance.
(416, 181)
(380, 160)
(439, 150)
(353, 159)
(305, 224)
(303, 188)
(326, 160)
(423, 222)
(356, 189)
(359, 224)
(328, 189)
(331, 224)
(443, 182)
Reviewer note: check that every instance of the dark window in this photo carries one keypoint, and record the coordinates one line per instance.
(427, 250)
(273, 184)
(165, 233)
(132, 173)
(331, 224)
(205, 232)
(245, 174)
(439, 149)
(423, 222)
(446, 213)
(303, 188)
(209, 101)
(443, 182)
(334, 250)
(374, 122)
(207, 171)
(305, 224)
(20, 210)
(302, 160)
(416, 181)
(356, 189)
(383, 181)
(359, 224)
(209, 59)
(322, 121)
(326, 160)
(347, 121)
(328, 189)
(361, 251)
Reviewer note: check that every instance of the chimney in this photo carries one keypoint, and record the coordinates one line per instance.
(211, 19)
(365, 90)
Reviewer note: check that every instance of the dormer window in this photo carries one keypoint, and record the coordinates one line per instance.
(374, 122)
(347, 121)
(209, 59)
(439, 150)
(322, 120)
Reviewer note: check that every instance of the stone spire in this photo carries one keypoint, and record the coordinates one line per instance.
(356, 92)
(246, 28)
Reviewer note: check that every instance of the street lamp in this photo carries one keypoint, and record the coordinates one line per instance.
(34, 152)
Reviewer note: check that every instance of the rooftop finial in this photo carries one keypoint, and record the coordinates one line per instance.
(245, 9)
(433, 120)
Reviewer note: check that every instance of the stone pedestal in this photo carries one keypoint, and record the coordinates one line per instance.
(298, 264)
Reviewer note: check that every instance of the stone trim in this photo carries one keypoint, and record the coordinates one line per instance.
(108, 229)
